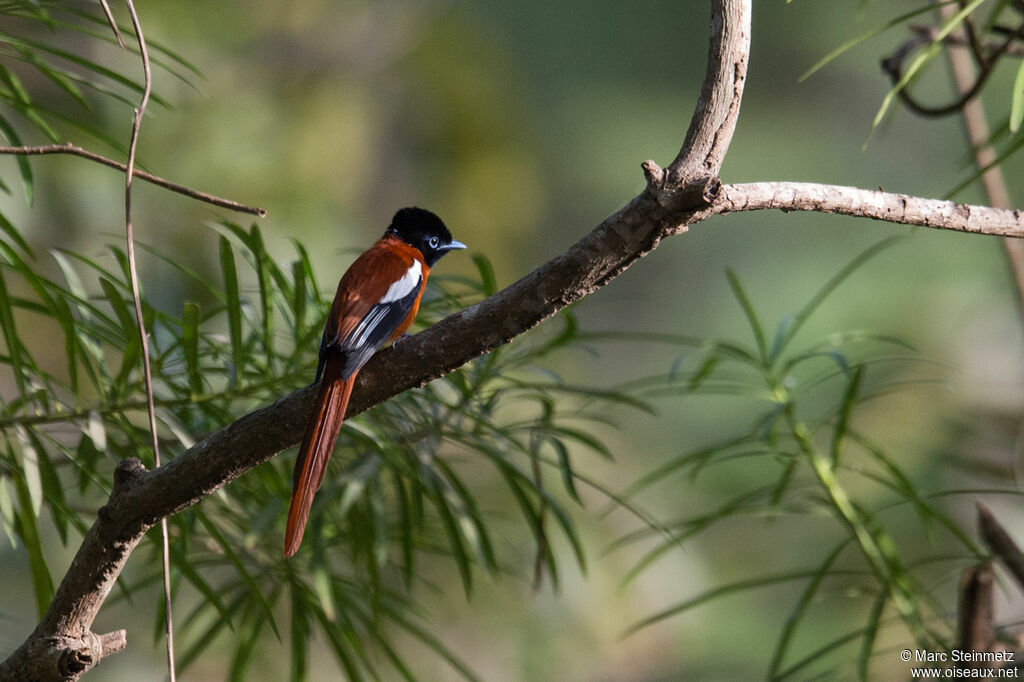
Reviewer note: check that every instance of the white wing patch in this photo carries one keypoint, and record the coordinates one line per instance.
(403, 287)
(366, 326)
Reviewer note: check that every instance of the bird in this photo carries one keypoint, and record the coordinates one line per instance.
(376, 302)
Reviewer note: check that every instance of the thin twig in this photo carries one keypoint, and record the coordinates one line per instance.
(143, 337)
(74, 150)
(113, 23)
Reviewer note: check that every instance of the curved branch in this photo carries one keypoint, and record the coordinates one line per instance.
(714, 120)
(864, 203)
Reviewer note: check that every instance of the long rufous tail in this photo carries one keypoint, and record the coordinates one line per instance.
(314, 453)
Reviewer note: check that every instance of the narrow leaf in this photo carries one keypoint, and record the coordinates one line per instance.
(870, 633)
(41, 581)
(488, 282)
(1017, 100)
(10, 333)
(849, 44)
(11, 231)
(7, 515)
(845, 409)
(234, 308)
(190, 341)
(30, 469)
(749, 312)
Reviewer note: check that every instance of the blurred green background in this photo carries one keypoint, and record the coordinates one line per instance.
(524, 124)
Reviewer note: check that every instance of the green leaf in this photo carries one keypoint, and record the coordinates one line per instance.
(248, 637)
(870, 632)
(709, 595)
(819, 296)
(90, 65)
(800, 609)
(210, 593)
(819, 653)
(11, 340)
(190, 341)
(11, 231)
(234, 308)
(845, 409)
(299, 635)
(42, 583)
(1017, 143)
(7, 514)
(455, 541)
(749, 312)
(307, 269)
(154, 46)
(471, 523)
(342, 649)
(30, 469)
(898, 482)
(406, 526)
(922, 58)
(226, 546)
(117, 304)
(850, 44)
(488, 282)
(54, 75)
(425, 636)
(254, 241)
(299, 300)
(565, 466)
(686, 459)
(1017, 100)
(53, 490)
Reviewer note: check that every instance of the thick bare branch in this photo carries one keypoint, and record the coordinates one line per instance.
(864, 203)
(714, 120)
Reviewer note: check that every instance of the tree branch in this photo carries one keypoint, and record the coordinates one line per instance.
(141, 175)
(864, 203)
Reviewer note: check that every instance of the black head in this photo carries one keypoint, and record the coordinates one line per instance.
(424, 230)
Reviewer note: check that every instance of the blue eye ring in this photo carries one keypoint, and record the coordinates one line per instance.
(434, 242)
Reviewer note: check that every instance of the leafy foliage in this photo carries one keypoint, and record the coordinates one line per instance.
(34, 47)
(823, 466)
(993, 29)
(399, 493)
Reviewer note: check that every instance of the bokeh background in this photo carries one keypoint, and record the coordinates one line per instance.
(524, 124)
